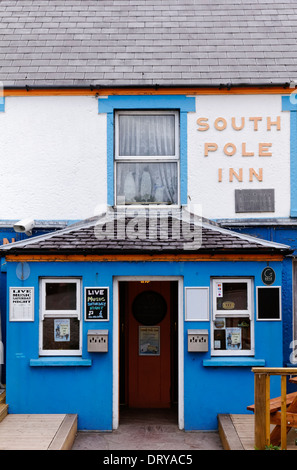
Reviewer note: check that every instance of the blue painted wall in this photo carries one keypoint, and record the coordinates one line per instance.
(8, 235)
(287, 235)
(210, 387)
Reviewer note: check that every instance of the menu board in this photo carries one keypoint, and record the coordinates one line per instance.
(96, 303)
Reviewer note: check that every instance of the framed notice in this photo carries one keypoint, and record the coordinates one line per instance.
(149, 341)
(96, 303)
(21, 304)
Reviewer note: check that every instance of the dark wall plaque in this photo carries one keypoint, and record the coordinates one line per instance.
(268, 304)
(254, 200)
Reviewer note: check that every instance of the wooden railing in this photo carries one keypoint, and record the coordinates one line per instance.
(262, 405)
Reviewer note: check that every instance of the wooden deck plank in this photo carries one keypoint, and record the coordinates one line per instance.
(228, 434)
(65, 435)
(37, 432)
(243, 427)
(2, 395)
(3, 411)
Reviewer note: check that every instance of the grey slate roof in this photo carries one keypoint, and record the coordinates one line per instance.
(147, 42)
(103, 235)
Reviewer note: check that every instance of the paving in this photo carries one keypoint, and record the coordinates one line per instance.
(148, 430)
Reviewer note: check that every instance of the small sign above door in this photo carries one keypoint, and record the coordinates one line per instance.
(268, 276)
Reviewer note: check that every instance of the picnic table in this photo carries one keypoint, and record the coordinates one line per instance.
(275, 414)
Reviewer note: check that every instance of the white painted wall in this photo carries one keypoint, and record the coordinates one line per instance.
(53, 158)
(217, 198)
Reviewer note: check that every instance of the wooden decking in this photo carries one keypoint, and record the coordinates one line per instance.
(237, 432)
(36, 431)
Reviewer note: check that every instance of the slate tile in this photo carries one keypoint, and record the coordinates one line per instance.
(183, 30)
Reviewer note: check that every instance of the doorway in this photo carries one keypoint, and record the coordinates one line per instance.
(148, 347)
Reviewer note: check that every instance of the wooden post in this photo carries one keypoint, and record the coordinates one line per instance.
(262, 411)
(267, 409)
(283, 412)
(278, 436)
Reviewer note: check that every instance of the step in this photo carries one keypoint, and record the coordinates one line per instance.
(2, 396)
(3, 411)
(66, 434)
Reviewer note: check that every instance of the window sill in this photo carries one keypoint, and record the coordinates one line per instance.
(233, 362)
(60, 361)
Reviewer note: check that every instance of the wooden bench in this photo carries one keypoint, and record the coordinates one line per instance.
(275, 403)
(275, 415)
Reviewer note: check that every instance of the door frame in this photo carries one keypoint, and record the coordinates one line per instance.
(116, 349)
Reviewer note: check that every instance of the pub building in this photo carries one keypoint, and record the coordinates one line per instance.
(148, 206)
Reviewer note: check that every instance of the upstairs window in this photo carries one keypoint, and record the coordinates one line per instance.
(147, 158)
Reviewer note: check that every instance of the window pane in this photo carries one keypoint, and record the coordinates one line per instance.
(234, 296)
(61, 333)
(60, 296)
(145, 183)
(146, 135)
(233, 334)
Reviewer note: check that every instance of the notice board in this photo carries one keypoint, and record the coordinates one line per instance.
(97, 303)
(21, 304)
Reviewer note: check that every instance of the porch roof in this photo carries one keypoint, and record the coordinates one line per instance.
(142, 232)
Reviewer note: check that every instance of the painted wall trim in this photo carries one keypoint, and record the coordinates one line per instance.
(59, 361)
(289, 103)
(146, 257)
(155, 90)
(182, 103)
(237, 362)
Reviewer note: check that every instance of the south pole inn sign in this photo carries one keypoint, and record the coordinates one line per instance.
(255, 149)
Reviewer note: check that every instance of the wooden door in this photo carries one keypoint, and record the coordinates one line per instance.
(149, 350)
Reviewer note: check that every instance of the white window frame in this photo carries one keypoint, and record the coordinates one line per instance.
(141, 159)
(249, 313)
(60, 314)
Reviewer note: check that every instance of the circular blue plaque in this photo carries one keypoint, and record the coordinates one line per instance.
(23, 271)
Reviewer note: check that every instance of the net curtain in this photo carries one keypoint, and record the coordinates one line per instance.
(149, 137)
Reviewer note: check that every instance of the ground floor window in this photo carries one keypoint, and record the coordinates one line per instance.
(60, 316)
(232, 317)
